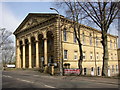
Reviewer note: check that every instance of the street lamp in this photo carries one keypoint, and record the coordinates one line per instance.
(55, 10)
(60, 39)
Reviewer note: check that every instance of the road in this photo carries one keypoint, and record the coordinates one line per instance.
(35, 79)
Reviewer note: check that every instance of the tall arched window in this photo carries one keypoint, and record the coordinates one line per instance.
(110, 43)
(96, 41)
(65, 34)
(114, 44)
(83, 38)
(90, 39)
(74, 38)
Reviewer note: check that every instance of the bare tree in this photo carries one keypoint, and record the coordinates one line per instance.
(4, 35)
(7, 48)
(8, 54)
(75, 13)
(102, 14)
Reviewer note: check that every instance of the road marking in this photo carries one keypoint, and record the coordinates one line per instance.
(49, 86)
(18, 79)
(36, 75)
(7, 76)
(24, 80)
(49, 77)
(27, 80)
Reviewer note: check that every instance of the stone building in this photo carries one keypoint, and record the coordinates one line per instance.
(119, 60)
(42, 42)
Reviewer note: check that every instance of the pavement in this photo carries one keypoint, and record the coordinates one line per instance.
(35, 79)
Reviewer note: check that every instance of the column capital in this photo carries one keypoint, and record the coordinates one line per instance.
(45, 38)
(29, 40)
(18, 46)
(37, 41)
(23, 44)
(29, 43)
(23, 41)
(17, 42)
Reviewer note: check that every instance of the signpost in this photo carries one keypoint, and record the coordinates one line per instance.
(71, 71)
(10, 66)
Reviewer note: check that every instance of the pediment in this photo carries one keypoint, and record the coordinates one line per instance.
(33, 19)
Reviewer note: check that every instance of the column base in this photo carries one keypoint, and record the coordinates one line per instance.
(30, 67)
(46, 69)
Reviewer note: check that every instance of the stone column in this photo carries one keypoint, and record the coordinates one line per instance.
(18, 54)
(37, 52)
(30, 52)
(58, 48)
(23, 53)
(45, 52)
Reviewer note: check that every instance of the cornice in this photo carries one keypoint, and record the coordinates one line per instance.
(41, 24)
(51, 19)
(84, 26)
(47, 15)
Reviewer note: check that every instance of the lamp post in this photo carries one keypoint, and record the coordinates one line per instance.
(60, 44)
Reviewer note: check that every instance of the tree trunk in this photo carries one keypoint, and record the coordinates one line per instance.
(81, 57)
(80, 46)
(105, 55)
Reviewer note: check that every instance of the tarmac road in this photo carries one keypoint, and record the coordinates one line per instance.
(35, 79)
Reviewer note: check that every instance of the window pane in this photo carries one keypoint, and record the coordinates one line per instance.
(65, 54)
(90, 39)
(75, 55)
(65, 35)
(74, 38)
(110, 43)
(83, 55)
(91, 55)
(112, 68)
(96, 41)
(83, 38)
(97, 56)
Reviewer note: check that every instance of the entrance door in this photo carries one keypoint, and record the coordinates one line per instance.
(85, 71)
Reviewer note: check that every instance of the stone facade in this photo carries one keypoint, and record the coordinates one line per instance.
(43, 42)
(119, 60)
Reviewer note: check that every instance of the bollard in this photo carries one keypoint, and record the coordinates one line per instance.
(52, 69)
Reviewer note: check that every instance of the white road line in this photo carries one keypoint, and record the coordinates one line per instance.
(18, 79)
(27, 81)
(49, 86)
(7, 76)
(36, 75)
(24, 80)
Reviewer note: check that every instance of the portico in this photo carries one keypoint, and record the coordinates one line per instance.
(35, 46)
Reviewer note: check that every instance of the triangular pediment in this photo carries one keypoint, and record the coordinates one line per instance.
(33, 19)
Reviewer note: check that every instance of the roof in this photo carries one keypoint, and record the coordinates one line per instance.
(35, 14)
(53, 15)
